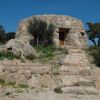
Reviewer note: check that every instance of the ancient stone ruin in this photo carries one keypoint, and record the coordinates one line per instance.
(73, 76)
(69, 32)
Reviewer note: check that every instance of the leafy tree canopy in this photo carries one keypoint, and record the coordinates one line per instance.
(4, 37)
(94, 32)
(41, 31)
(10, 35)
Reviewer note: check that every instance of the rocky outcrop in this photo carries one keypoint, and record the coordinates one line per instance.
(75, 38)
(20, 48)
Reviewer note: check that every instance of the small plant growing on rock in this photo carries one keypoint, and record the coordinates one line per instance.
(58, 90)
(2, 82)
(49, 54)
(8, 93)
(95, 52)
(11, 84)
(8, 56)
(22, 86)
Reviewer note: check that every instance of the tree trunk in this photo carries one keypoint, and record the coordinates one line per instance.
(37, 41)
(93, 42)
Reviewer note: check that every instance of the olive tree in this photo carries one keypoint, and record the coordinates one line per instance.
(41, 31)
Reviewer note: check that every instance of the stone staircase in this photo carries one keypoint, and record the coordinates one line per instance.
(76, 74)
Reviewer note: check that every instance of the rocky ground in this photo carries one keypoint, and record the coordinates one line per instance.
(75, 79)
(46, 95)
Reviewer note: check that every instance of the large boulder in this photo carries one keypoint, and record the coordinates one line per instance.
(20, 48)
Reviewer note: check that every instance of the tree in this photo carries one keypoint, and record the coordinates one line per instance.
(10, 35)
(49, 33)
(94, 32)
(93, 35)
(95, 52)
(41, 31)
(2, 34)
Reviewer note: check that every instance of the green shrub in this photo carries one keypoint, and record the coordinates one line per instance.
(11, 84)
(8, 93)
(8, 55)
(95, 52)
(58, 90)
(49, 53)
(2, 82)
(45, 52)
(22, 86)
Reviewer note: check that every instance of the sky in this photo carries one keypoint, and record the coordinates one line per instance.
(12, 11)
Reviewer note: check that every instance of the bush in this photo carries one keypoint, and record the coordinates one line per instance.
(95, 52)
(11, 84)
(22, 86)
(49, 53)
(2, 34)
(58, 90)
(8, 56)
(10, 35)
(7, 93)
(45, 52)
(2, 82)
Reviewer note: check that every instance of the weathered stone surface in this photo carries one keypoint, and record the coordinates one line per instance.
(80, 90)
(19, 79)
(76, 59)
(74, 37)
(41, 69)
(4, 75)
(21, 71)
(76, 81)
(34, 82)
(28, 74)
(20, 48)
(2, 68)
(69, 80)
(74, 70)
(68, 70)
(47, 81)
(96, 74)
(85, 81)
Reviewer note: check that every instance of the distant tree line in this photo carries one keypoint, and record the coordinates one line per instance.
(4, 37)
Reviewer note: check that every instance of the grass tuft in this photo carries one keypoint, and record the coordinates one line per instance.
(22, 86)
(8, 93)
(11, 84)
(58, 90)
(2, 82)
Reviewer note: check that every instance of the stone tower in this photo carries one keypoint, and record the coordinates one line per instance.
(69, 31)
